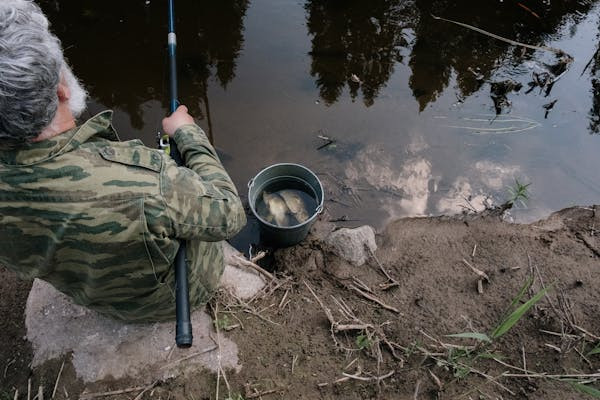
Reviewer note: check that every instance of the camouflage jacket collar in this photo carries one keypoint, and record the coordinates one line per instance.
(99, 126)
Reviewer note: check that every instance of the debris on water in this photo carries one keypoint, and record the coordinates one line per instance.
(502, 88)
(478, 75)
(551, 74)
(554, 50)
(499, 91)
(561, 65)
(327, 141)
(529, 10)
(548, 107)
(495, 124)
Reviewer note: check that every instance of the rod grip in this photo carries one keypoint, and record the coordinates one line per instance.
(183, 328)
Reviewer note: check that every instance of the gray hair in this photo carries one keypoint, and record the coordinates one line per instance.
(31, 61)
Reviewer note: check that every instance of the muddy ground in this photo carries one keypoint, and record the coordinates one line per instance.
(290, 348)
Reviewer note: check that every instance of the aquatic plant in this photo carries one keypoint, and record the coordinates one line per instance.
(518, 194)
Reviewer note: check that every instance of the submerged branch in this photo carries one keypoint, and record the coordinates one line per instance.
(556, 51)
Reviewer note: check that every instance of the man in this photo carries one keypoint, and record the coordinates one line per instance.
(97, 218)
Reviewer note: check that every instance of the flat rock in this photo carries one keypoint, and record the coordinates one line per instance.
(102, 347)
(353, 245)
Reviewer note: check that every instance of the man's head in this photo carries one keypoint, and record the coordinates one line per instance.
(31, 66)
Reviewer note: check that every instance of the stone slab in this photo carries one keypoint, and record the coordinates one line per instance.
(104, 348)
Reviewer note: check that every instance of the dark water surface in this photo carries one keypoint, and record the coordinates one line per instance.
(405, 97)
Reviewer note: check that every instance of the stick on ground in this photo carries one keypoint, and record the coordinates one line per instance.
(57, 379)
(374, 299)
(111, 393)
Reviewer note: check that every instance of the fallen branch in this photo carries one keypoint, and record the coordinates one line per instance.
(241, 261)
(509, 41)
(591, 59)
(374, 299)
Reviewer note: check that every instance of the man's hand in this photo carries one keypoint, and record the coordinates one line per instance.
(176, 120)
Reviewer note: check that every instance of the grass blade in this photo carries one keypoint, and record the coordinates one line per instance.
(518, 298)
(482, 337)
(514, 317)
(595, 350)
(586, 389)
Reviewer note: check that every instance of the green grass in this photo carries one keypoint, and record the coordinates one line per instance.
(460, 359)
(222, 322)
(586, 389)
(364, 342)
(513, 314)
(519, 194)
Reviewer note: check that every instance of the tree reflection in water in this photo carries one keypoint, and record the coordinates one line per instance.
(365, 39)
(356, 43)
(594, 114)
(123, 62)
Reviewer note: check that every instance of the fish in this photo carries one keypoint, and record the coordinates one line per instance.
(295, 204)
(278, 210)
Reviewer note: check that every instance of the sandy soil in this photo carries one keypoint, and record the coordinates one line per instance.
(397, 348)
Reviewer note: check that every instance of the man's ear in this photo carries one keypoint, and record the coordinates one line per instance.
(63, 92)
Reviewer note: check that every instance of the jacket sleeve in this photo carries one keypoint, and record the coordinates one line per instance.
(201, 200)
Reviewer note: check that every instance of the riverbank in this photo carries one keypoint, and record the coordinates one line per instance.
(328, 329)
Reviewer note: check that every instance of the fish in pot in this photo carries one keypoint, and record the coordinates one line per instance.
(295, 204)
(277, 209)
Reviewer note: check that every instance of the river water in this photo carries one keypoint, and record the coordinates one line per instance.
(404, 97)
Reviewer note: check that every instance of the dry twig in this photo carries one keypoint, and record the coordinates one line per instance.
(391, 281)
(374, 299)
(150, 386)
(369, 378)
(111, 393)
(57, 379)
(196, 354)
(241, 261)
(416, 393)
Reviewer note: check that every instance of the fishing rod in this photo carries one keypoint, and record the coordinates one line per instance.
(183, 327)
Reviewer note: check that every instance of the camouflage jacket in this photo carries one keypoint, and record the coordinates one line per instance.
(99, 219)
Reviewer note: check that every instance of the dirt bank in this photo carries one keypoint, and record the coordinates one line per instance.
(385, 336)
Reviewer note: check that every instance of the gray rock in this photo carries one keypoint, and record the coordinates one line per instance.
(103, 348)
(353, 245)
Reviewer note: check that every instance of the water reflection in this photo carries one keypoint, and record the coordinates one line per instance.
(594, 66)
(412, 187)
(356, 44)
(118, 49)
(471, 57)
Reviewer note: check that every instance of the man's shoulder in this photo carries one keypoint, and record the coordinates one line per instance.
(117, 168)
(132, 153)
